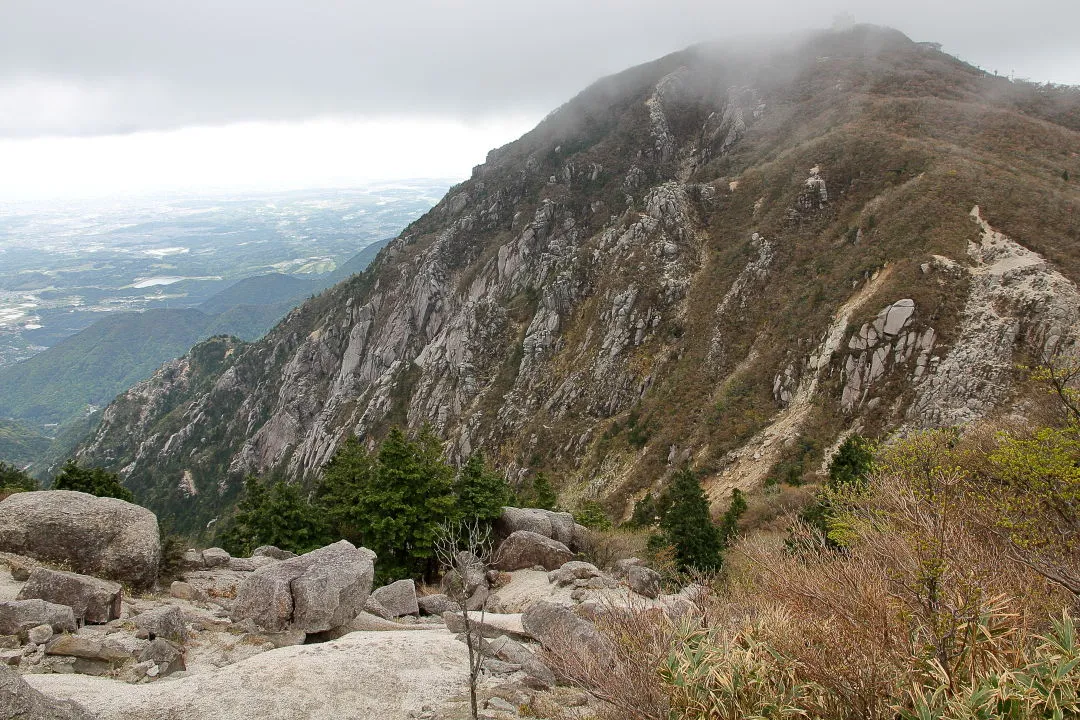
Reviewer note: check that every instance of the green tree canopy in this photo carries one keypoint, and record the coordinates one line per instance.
(397, 500)
(645, 512)
(540, 494)
(13, 479)
(481, 493)
(95, 481)
(277, 514)
(688, 527)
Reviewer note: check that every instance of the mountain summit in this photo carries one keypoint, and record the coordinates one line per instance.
(729, 257)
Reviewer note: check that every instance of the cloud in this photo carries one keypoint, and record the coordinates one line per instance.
(94, 67)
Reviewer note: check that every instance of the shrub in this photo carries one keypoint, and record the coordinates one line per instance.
(592, 515)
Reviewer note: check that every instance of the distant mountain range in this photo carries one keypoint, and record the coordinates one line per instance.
(83, 372)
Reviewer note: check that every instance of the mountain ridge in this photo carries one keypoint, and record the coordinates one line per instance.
(657, 274)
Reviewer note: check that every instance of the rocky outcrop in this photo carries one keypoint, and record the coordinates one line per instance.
(104, 537)
(20, 701)
(555, 525)
(525, 549)
(312, 593)
(164, 622)
(91, 599)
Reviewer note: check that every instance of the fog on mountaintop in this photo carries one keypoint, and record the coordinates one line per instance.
(114, 66)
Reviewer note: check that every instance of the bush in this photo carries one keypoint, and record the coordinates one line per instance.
(13, 480)
(592, 515)
(277, 514)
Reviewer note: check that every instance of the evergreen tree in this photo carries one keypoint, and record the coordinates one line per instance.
(12, 479)
(481, 493)
(688, 527)
(592, 515)
(542, 495)
(729, 524)
(348, 475)
(399, 500)
(277, 514)
(95, 481)
(852, 464)
(645, 512)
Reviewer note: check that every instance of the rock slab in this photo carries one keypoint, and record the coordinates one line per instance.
(17, 617)
(399, 598)
(19, 700)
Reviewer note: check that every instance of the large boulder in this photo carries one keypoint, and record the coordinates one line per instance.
(398, 598)
(91, 599)
(17, 617)
(558, 629)
(436, 604)
(315, 592)
(19, 700)
(104, 537)
(525, 549)
(573, 571)
(555, 525)
(88, 648)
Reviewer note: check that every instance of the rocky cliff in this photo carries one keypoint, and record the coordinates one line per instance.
(731, 256)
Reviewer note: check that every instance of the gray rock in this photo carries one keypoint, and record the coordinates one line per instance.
(20, 568)
(623, 566)
(555, 525)
(525, 549)
(19, 701)
(89, 648)
(215, 557)
(573, 570)
(897, 316)
(644, 581)
(376, 608)
(193, 560)
(557, 628)
(272, 552)
(18, 616)
(399, 598)
(10, 657)
(455, 623)
(40, 634)
(104, 537)
(164, 622)
(436, 604)
(91, 599)
(315, 592)
(185, 591)
(166, 656)
(511, 651)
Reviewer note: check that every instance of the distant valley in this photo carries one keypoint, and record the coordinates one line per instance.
(74, 333)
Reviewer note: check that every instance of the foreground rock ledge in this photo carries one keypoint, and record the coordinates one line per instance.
(363, 675)
(103, 537)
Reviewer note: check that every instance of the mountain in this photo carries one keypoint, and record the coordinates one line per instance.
(729, 257)
(271, 289)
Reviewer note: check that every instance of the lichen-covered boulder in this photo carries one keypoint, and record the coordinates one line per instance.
(166, 622)
(93, 600)
(315, 592)
(525, 549)
(558, 629)
(104, 537)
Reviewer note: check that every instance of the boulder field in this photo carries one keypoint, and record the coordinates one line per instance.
(308, 631)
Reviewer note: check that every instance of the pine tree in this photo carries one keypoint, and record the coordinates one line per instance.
(349, 475)
(852, 464)
(729, 524)
(592, 515)
(542, 495)
(645, 512)
(95, 481)
(399, 501)
(688, 527)
(277, 514)
(481, 493)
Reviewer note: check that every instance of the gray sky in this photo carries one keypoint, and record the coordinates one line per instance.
(489, 68)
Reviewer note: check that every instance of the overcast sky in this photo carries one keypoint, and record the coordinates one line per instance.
(119, 95)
